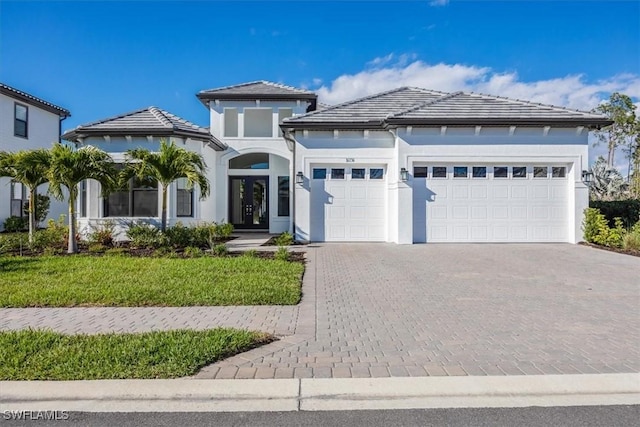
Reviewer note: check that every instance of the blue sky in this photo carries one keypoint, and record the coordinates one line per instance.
(102, 58)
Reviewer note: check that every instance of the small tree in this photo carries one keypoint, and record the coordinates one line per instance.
(624, 130)
(69, 167)
(165, 166)
(31, 168)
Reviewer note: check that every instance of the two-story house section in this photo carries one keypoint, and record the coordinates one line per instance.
(26, 122)
(253, 175)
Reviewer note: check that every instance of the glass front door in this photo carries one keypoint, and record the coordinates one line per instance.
(249, 201)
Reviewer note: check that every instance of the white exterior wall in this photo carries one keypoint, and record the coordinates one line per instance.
(43, 131)
(116, 148)
(503, 145)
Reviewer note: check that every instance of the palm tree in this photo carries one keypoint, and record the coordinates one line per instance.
(165, 166)
(69, 167)
(29, 167)
(608, 183)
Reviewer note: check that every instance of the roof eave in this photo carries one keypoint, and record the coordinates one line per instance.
(76, 134)
(203, 96)
(377, 124)
(32, 100)
(452, 121)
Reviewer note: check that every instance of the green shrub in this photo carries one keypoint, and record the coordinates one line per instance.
(13, 242)
(224, 230)
(193, 252)
(631, 241)
(54, 237)
(143, 235)
(220, 250)
(282, 254)
(14, 224)
(180, 236)
(102, 233)
(596, 229)
(96, 248)
(285, 239)
(161, 252)
(628, 210)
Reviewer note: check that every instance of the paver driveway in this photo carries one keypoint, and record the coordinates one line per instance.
(374, 310)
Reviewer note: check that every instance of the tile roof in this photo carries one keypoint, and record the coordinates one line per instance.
(147, 121)
(256, 90)
(33, 100)
(415, 106)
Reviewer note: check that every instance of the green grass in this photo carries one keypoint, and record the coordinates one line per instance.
(45, 355)
(71, 281)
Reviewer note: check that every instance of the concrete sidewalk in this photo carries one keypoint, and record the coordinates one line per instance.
(189, 395)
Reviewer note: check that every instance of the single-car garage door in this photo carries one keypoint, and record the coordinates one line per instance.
(348, 203)
(490, 203)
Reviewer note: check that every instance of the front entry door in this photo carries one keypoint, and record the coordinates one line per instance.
(249, 201)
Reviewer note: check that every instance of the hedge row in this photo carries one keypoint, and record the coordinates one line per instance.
(628, 210)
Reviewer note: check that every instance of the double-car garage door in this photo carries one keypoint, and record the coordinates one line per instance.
(451, 203)
(490, 203)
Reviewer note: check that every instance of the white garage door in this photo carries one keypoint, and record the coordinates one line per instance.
(490, 203)
(348, 203)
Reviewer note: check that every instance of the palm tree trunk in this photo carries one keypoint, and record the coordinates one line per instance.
(73, 243)
(164, 208)
(32, 212)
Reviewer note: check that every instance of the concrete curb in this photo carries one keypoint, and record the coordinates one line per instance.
(189, 395)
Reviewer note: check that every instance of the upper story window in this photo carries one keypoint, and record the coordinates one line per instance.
(231, 122)
(283, 113)
(258, 122)
(250, 161)
(21, 119)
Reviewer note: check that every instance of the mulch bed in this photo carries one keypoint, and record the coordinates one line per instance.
(607, 248)
(272, 242)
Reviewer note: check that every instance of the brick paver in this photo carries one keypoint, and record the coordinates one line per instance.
(379, 310)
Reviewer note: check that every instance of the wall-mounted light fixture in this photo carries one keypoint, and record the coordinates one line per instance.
(404, 174)
(299, 178)
(587, 177)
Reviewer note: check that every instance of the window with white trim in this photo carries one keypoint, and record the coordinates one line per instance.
(184, 198)
(21, 120)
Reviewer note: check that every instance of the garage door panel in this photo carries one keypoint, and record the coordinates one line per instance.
(348, 209)
(494, 209)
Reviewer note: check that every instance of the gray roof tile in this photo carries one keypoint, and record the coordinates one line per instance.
(415, 106)
(147, 121)
(256, 90)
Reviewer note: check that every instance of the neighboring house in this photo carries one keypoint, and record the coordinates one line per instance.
(26, 122)
(405, 166)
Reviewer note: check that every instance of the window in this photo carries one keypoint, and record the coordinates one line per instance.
(21, 119)
(184, 198)
(479, 172)
(540, 171)
(460, 172)
(519, 171)
(376, 173)
(337, 173)
(420, 172)
(250, 161)
(258, 122)
(139, 200)
(283, 113)
(283, 196)
(558, 172)
(83, 199)
(439, 172)
(500, 172)
(319, 173)
(19, 199)
(357, 173)
(231, 122)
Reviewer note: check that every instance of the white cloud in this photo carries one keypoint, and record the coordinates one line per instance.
(393, 71)
(438, 2)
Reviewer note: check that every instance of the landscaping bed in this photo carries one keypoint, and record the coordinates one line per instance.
(631, 252)
(46, 355)
(131, 281)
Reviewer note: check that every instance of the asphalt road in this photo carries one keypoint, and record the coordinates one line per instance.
(582, 416)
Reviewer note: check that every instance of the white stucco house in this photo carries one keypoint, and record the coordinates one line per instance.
(26, 123)
(407, 166)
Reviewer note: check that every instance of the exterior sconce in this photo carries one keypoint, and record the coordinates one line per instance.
(299, 178)
(587, 177)
(404, 174)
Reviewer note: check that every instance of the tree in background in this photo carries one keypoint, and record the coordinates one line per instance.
(608, 183)
(69, 167)
(165, 166)
(29, 167)
(624, 130)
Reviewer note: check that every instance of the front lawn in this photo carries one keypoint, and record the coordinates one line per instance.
(120, 281)
(45, 355)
